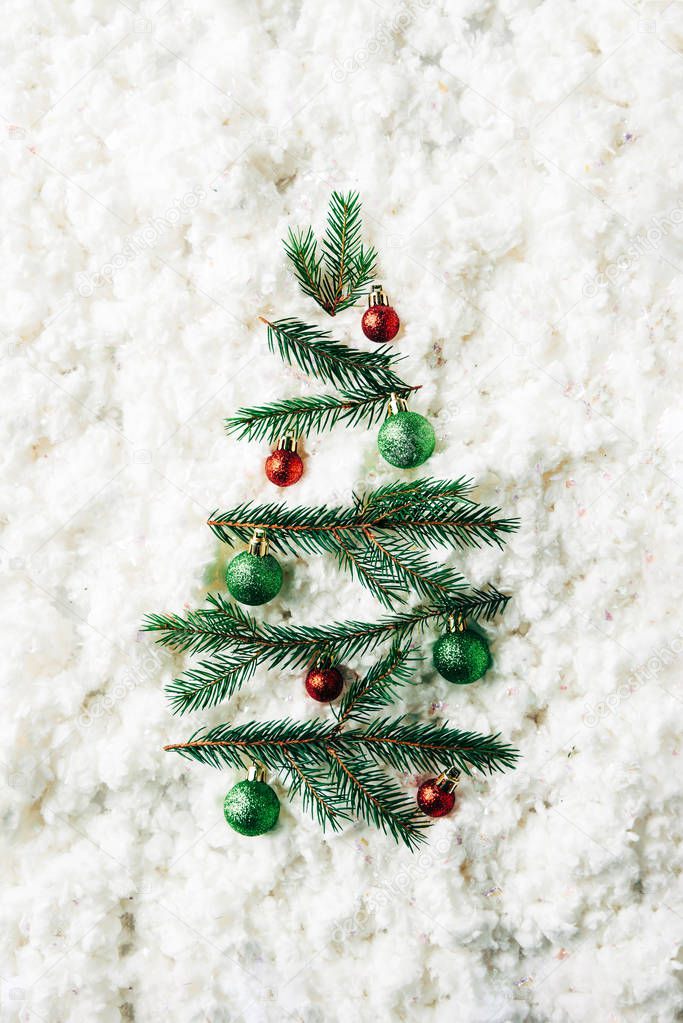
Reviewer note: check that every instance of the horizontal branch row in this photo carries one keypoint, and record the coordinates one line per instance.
(240, 644)
(340, 773)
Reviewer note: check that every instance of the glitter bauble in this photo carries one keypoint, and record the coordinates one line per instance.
(283, 468)
(251, 807)
(380, 323)
(324, 684)
(406, 439)
(435, 800)
(461, 657)
(253, 579)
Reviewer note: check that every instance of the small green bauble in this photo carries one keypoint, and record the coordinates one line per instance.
(461, 657)
(254, 578)
(406, 439)
(251, 808)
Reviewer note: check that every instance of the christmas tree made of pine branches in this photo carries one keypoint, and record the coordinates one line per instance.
(343, 764)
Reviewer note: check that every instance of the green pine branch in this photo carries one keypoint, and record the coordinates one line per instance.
(408, 494)
(411, 570)
(341, 773)
(225, 627)
(262, 742)
(301, 248)
(376, 798)
(319, 796)
(361, 562)
(240, 643)
(391, 569)
(211, 682)
(376, 689)
(429, 513)
(376, 538)
(207, 629)
(311, 415)
(318, 355)
(349, 266)
(340, 273)
(416, 746)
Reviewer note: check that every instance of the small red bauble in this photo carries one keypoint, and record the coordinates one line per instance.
(324, 684)
(436, 797)
(380, 322)
(283, 467)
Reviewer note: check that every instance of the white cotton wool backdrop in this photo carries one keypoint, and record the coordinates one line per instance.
(520, 166)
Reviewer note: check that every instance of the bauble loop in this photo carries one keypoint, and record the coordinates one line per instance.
(254, 579)
(324, 684)
(406, 439)
(251, 808)
(461, 657)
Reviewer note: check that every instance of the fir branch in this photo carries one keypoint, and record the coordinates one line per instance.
(293, 646)
(362, 563)
(341, 274)
(378, 799)
(375, 538)
(311, 415)
(429, 513)
(409, 494)
(430, 747)
(260, 741)
(211, 682)
(341, 773)
(207, 629)
(318, 797)
(409, 569)
(470, 526)
(349, 267)
(377, 687)
(301, 248)
(318, 355)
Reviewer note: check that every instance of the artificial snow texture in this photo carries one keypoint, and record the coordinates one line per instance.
(520, 165)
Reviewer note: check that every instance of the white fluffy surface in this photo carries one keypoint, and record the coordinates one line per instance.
(507, 155)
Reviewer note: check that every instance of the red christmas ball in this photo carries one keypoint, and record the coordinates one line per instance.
(324, 684)
(435, 800)
(380, 323)
(283, 468)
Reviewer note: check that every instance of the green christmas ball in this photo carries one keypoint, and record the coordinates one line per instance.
(254, 579)
(251, 808)
(406, 439)
(462, 657)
